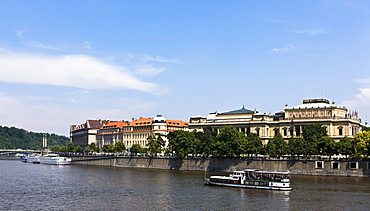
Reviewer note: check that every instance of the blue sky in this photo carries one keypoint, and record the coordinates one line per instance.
(62, 62)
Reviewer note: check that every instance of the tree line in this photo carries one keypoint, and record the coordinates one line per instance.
(15, 138)
(229, 142)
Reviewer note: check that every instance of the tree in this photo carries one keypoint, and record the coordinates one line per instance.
(70, 147)
(136, 148)
(155, 144)
(277, 146)
(92, 148)
(109, 148)
(207, 141)
(297, 146)
(254, 144)
(78, 148)
(326, 146)
(361, 143)
(345, 146)
(55, 148)
(181, 142)
(230, 142)
(312, 134)
(119, 146)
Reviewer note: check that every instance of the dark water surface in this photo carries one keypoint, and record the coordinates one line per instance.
(26, 186)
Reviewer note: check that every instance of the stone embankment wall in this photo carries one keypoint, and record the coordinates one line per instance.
(304, 167)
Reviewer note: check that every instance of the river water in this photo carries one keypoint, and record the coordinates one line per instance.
(26, 186)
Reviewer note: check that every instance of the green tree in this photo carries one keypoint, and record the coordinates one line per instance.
(277, 146)
(109, 148)
(345, 146)
(55, 148)
(254, 144)
(361, 143)
(230, 142)
(71, 147)
(181, 142)
(63, 149)
(297, 146)
(78, 148)
(155, 144)
(136, 148)
(92, 148)
(327, 146)
(119, 146)
(312, 134)
(207, 141)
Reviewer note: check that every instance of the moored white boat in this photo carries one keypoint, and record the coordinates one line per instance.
(55, 159)
(33, 159)
(253, 179)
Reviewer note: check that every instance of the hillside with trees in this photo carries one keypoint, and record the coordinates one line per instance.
(15, 138)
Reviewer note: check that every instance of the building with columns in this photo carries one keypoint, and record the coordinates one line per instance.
(289, 123)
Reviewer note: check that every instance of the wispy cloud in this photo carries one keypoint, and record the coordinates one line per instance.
(79, 71)
(361, 100)
(36, 44)
(149, 70)
(312, 32)
(87, 44)
(284, 49)
(159, 59)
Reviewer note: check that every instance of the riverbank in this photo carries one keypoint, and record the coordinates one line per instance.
(299, 167)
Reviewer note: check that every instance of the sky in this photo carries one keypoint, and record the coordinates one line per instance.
(63, 62)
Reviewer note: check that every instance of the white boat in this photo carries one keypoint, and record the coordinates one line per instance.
(253, 179)
(55, 159)
(33, 159)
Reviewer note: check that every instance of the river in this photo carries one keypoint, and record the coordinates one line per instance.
(26, 186)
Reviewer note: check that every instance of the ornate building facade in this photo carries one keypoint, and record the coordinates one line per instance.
(137, 131)
(289, 123)
(85, 133)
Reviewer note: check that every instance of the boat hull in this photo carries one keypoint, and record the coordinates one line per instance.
(55, 161)
(208, 182)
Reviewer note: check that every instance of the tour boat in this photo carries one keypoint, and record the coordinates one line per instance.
(253, 179)
(55, 159)
(32, 159)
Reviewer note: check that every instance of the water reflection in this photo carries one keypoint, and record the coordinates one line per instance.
(29, 187)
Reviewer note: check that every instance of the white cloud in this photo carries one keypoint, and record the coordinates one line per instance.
(79, 71)
(149, 70)
(312, 32)
(285, 49)
(37, 44)
(44, 116)
(159, 59)
(361, 101)
(87, 44)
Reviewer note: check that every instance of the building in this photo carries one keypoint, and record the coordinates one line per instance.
(289, 123)
(85, 134)
(137, 131)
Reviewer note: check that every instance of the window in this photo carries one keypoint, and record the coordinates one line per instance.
(298, 131)
(335, 165)
(353, 165)
(319, 164)
(285, 132)
(368, 165)
(340, 131)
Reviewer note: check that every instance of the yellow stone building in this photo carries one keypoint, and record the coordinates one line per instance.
(289, 123)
